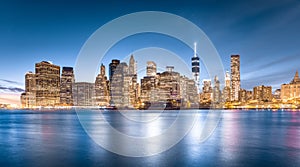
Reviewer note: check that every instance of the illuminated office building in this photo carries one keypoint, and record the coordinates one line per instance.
(66, 81)
(216, 95)
(206, 95)
(83, 94)
(47, 84)
(226, 95)
(119, 86)
(112, 67)
(28, 98)
(292, 90)
(235, 77)
(131, 79)
(102, 88)
(262, 93)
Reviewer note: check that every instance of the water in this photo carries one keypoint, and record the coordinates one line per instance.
(242, 138)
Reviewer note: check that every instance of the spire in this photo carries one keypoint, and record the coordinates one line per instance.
(195, 49)
(296, 78)
(132, 65)
(102, 70)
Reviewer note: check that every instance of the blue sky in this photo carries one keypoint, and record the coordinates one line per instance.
(265, 34)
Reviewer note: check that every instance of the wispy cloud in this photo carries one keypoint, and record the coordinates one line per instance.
(11, 82)
(11, 89)
(275, 79)
(9, 86)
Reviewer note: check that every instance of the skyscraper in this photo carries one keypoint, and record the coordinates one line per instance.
(151, 68)
(101, 88)
(67, 79)
(112, 67)
(206, 94)
(28, 99)
(119, 86)
(227, 79)
(83, 94)
(195, 66)
(29, 82)
(292, 90)
(226, 90)
(47, 84)
(131, 78)
(235, 77)
(216, 91)
(262, 93)
(132, 66)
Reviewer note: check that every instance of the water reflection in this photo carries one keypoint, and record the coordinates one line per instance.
(241, 139)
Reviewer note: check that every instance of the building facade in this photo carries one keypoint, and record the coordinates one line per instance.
(151, 69)
(112, 67)
(66, 82)
(102, 88)
(262, 93)
(291, 91)
(47, 84)
(235, 77)
(83, 94)
(28, 98)
(206, 95)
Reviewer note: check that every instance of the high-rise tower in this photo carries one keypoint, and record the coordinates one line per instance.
(132, 66)
(66, 82)
(195, 66)
(47, 84)
(112, 67)
(235, 77)
(102, 88)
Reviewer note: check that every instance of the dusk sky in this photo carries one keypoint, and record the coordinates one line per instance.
(264, 33)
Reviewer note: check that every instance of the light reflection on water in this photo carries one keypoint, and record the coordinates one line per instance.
(242, 138)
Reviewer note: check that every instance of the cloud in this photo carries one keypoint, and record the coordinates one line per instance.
(11, 89)
(275, 79)
(11, 82)
(9, 86)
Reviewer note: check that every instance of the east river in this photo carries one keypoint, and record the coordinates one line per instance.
(64, 138)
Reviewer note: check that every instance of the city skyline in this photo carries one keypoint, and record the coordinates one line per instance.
(169, 89)
(34, 33)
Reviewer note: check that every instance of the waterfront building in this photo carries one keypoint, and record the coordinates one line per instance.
(243, 95)
(30, 82)
(169, 88)
(291, 91)
(277, 94)
(47, 84)
(262, 93)
(66, 82)
(206, 95)
(249, 95)
(235, 77)
(83, 94)
(119, 86)
(188, 93)
(102, 88)
(149, 90)
(28, 99)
